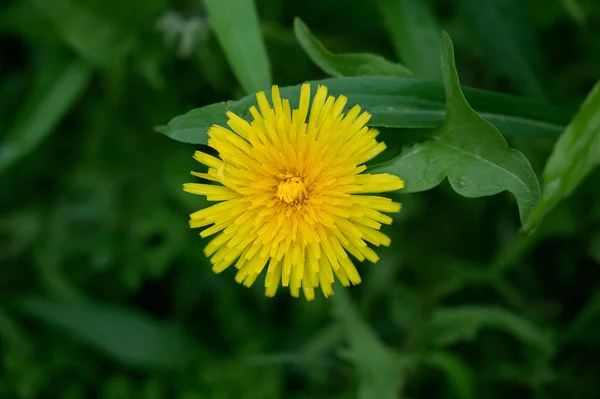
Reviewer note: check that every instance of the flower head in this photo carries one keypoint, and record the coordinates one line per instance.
(292, 195)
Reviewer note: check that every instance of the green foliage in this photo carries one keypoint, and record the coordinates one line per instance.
(458, 374)
(54, 92)
(380, 369)
(575, 10)
(105, 292)
(511, 48)
(237, 28)
(450, 325)
(392, 102)
(415, 35)
(128, 337)
(575, 155)
(94, 31)
(340, 65)
(469, 151)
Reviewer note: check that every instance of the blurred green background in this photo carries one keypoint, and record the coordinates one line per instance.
(105, 292)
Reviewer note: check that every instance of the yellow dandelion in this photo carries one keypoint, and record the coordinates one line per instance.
(292, 194)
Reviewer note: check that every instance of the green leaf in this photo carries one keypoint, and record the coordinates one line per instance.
(50, 99)
(575, 155)
(415, 35)
(469, 151)
(393, 102)
(507, 39)
(339, 65)
(450, 325)
(126, 336)
(381, 371)
(236, 26)
(458, 374)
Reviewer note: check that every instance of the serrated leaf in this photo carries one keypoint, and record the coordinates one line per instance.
(415, 35)
(48, 102)
(339, 65)
(236, 26)
(381, 370)
(393, 102)
(468, 150)
(511, 49)
(124, 335)
(575, 155)
(450, 325)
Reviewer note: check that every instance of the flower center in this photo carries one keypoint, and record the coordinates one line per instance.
(291, 190)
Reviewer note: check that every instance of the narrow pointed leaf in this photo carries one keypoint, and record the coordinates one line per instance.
(415, 35)
(236, 26)
(574, 156)
(339, 65)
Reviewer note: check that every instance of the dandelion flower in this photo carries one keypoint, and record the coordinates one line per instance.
(292, 197)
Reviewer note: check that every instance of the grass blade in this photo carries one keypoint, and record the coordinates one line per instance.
(415, 35)
(236, 26)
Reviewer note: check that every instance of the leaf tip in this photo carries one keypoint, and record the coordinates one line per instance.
(162, 129)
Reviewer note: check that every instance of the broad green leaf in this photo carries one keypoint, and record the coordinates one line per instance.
(381, 371)
(507, 39)
(45, 106)
(575, 155)
(458, 374)
(236, 26)
(393, 102)
(450, 325)
(339, 65)
(415, 35)
(468, 150)
(126, 336)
